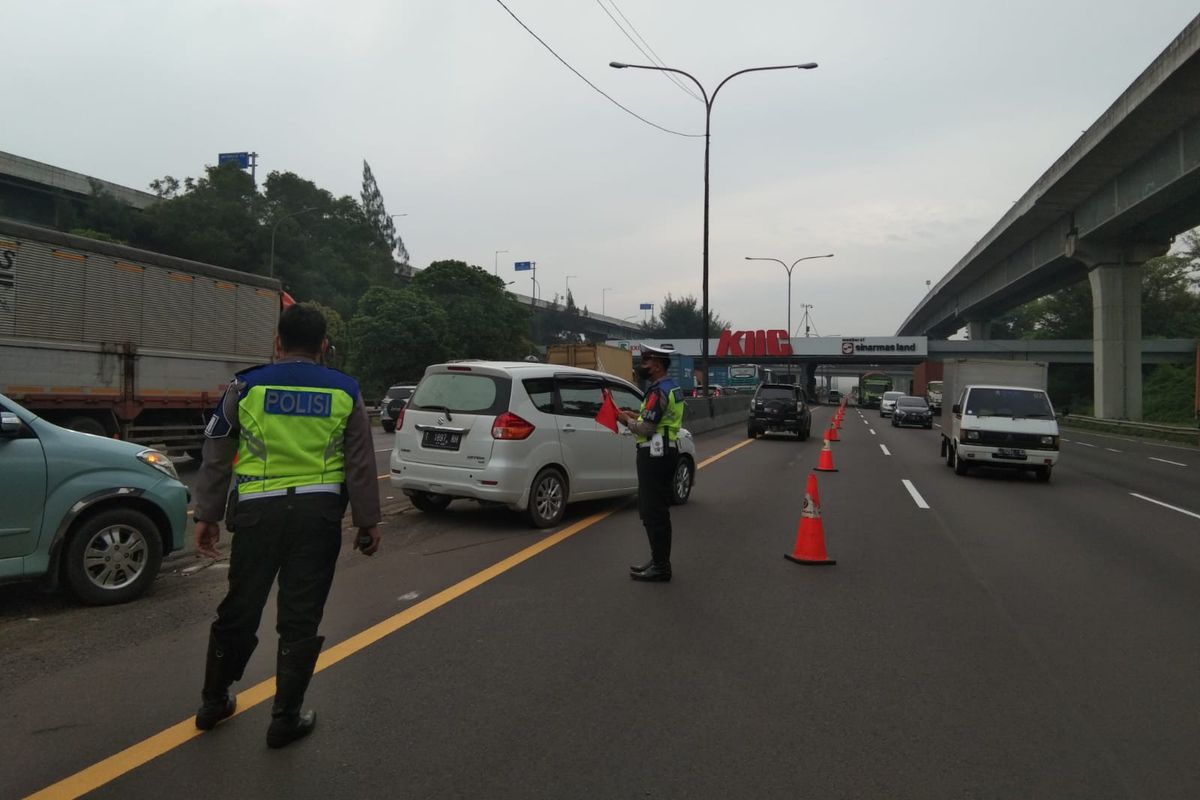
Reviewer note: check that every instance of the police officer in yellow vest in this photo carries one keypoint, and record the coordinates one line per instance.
(657, 429)
(296, 438)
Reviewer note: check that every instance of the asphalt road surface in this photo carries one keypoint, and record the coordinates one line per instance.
(981, 636)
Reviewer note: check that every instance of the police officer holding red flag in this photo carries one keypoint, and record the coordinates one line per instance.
(656, 427)
(303, 448)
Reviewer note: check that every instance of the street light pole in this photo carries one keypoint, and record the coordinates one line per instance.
(789, 289)
(274, 229)
(496, 263)
(568, 294)
(708, 104)
(603, 292)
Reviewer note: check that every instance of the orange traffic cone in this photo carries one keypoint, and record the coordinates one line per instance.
(837, 422)
(825, 462)
(831, 435)
(810, 538)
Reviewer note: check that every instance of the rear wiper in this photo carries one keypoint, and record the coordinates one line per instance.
(449, 417)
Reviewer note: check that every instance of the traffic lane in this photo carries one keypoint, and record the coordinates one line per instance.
(1164, 472)
(54, 652)
(1104, 586)
(892, 674)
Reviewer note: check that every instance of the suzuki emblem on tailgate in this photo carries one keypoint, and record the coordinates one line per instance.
(441, 421)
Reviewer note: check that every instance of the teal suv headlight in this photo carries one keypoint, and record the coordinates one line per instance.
(160, 461)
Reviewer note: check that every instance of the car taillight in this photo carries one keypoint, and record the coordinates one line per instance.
(400, 418)
(509, 426)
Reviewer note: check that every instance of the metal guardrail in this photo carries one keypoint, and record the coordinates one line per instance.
(1149, 429)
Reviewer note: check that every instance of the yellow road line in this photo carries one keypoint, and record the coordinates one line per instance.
(129, 759)
(723, 453)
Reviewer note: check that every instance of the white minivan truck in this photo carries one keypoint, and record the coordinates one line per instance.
(1002, 426)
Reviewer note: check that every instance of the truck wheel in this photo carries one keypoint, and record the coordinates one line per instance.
(1043, 474)
(960, 466)
(751, 433)
(113, 557)
(86, 425)
(429, 502)
(948, 451)
(388, 427)
(547, 498)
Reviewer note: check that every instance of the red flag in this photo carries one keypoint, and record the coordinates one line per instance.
(286, 301)
(607, 415)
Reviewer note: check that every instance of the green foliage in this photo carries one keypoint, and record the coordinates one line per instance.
(377, 216)
(682, 319)
(1169, 394)
(336, 332)
(449, 311)
(489, 323)
(394, 336)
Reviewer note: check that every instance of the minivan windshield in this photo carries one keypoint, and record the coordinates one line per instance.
(1009, 403)
(462, 393)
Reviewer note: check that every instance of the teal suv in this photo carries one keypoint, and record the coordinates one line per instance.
(95, 513)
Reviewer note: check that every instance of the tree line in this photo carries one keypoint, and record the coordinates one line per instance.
(387, 322)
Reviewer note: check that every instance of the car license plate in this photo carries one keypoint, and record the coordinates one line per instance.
(441, 440)
(1008, 452)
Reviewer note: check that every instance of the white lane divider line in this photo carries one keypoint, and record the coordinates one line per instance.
(1114, 450)
(1065, 439)
(883, 447)
(1165, 505)
(1085, 444)
(873, 432)
(937, 425)
(386, 450)
(916, 496)
(1163, 460)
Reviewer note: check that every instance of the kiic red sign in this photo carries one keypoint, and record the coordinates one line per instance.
(754, 343)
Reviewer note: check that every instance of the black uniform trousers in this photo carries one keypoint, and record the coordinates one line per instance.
(296, 537)
(655, 474)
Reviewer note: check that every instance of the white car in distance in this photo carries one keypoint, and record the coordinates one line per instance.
(522, 435)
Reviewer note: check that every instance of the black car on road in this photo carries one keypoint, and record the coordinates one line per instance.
(392, 402)
(779, 407)
(912, 411)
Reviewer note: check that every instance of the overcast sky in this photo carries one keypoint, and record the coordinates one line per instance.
(923, 123)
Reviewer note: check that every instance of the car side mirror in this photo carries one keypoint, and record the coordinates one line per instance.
(956, 409)
(10, 425)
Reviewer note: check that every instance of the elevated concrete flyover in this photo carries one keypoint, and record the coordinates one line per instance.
(596, 327)
(1117, 197)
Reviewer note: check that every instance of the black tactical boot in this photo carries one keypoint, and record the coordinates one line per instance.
(224, 664)
(642, 568)
(657, 573)
(294, 669)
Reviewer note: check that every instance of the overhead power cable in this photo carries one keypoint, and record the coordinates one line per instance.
(589, 83)
(654, 58)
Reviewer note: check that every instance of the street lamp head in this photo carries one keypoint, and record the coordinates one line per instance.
(809, 65)
(617, 65)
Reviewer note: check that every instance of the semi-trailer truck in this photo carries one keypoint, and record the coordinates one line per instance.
(121, 342)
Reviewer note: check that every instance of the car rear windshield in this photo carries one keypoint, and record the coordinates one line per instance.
(911, 402)
(462, 393)
(892, 395)
(776, 393)
(1008, 403)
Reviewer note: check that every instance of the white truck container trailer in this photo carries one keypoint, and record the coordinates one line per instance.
(122, 342)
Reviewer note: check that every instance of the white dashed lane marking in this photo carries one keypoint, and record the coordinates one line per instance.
(1165, 505)
(883, 447)
(916, 496)
(1165, 461)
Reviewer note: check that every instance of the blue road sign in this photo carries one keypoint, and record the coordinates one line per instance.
(646, 307)
(521, 266)
(241, 159)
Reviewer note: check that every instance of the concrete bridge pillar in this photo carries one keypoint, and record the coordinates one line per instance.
(1117, 340)
(1115, 276)
(978, 329)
